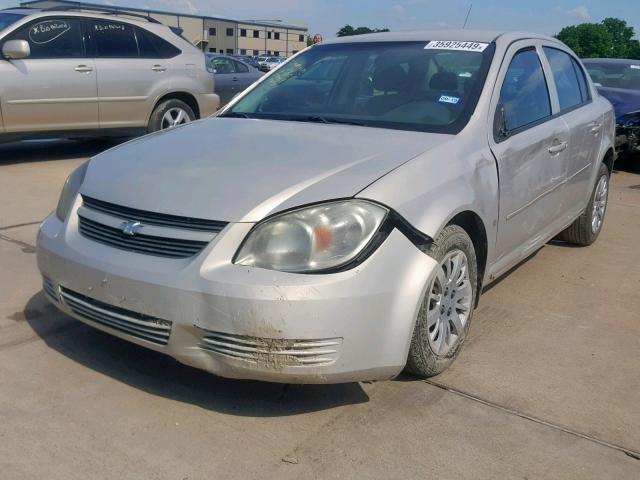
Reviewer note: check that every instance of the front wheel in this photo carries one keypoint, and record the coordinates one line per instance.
(170, 114)
(445, 314)
(585, 230)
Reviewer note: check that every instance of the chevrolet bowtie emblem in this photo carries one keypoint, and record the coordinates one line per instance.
(130, 229)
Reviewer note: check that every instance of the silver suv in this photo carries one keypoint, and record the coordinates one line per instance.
(71, 73)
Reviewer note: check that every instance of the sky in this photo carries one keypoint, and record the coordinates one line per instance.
(328, 16)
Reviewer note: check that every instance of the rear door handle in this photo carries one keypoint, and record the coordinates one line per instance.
(83, 69)
(159, 68)
(596, 128)
(557, 148)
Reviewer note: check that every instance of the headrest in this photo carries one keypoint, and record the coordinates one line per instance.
(446, 81)
(390, 79)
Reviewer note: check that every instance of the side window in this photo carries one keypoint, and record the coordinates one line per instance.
(524, 95)
(582, 80)
(114, 39)
(53, 38)
(565, 77)
(152, 46)
(240, 67)
(222, 65)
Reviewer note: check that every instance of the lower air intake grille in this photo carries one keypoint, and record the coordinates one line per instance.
(273, 353)
(131, 323)
(146, 244)
(49, 290)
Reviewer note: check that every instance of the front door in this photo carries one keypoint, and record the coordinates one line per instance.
(530, 146)
(55, 87)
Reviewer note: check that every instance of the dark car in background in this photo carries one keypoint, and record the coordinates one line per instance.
(232, 76)
(618, 80)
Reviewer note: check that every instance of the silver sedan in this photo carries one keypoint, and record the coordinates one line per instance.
(339, 219)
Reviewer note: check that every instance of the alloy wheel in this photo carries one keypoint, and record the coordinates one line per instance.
(599, 204)
(449, 302)
(173, 117)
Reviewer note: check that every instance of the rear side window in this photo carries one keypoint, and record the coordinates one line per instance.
(525, 95)
(114, 39)
(152, 46)
(53, 38)
(582, 81)
(565, 77)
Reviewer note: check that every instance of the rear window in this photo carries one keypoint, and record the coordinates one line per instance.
(615, 74)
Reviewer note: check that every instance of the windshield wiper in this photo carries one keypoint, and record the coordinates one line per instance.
(235, 115)
(322, 119)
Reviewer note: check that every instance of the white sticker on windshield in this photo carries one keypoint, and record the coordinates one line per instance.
(449, 99)
(455, 45)
(637, 67)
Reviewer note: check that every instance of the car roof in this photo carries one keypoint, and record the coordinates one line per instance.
(485, 36)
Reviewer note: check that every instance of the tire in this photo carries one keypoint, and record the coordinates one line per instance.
(587, 227)
(159, 118)
(425, 358)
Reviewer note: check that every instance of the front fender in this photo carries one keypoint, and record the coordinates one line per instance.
(433, 188)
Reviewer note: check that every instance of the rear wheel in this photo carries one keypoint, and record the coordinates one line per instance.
(170, 114)
(585, 230)
(445, 314)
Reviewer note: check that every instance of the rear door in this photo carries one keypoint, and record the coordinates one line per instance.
(584, 121)
(530, 145)
(55, 87)
(131, 73)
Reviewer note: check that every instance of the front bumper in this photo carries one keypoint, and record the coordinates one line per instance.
(241, 322)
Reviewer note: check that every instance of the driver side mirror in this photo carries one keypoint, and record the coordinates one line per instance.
(500, 129)
(16, 49)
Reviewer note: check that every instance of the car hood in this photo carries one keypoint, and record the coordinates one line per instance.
(623, 100)
(241, 170)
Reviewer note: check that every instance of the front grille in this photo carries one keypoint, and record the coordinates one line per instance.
(273, 353)
(152, 218)
(146, 244)
(49, 290)
(137, 325)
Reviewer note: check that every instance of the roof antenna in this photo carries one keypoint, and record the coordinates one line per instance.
(467, 19)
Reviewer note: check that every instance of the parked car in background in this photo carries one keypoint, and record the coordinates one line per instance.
(272, 62)
(618, 80)
(338, 221)
(69, 73)
(251, 61)
(232, 75)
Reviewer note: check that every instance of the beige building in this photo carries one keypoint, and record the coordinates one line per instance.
(212, 34)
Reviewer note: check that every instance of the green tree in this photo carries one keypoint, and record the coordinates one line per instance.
(348, 31)
(611, 38)
(622, 35)
(588, 40)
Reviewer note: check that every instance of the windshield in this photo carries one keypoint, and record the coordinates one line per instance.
(7, 19)
(615, 75)
(400, 85)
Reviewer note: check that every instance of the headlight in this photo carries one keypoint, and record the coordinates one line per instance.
(313, 239)
(70, 190)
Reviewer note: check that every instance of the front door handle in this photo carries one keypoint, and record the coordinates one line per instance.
(83, 69)
(557, 148)
(159, 68)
